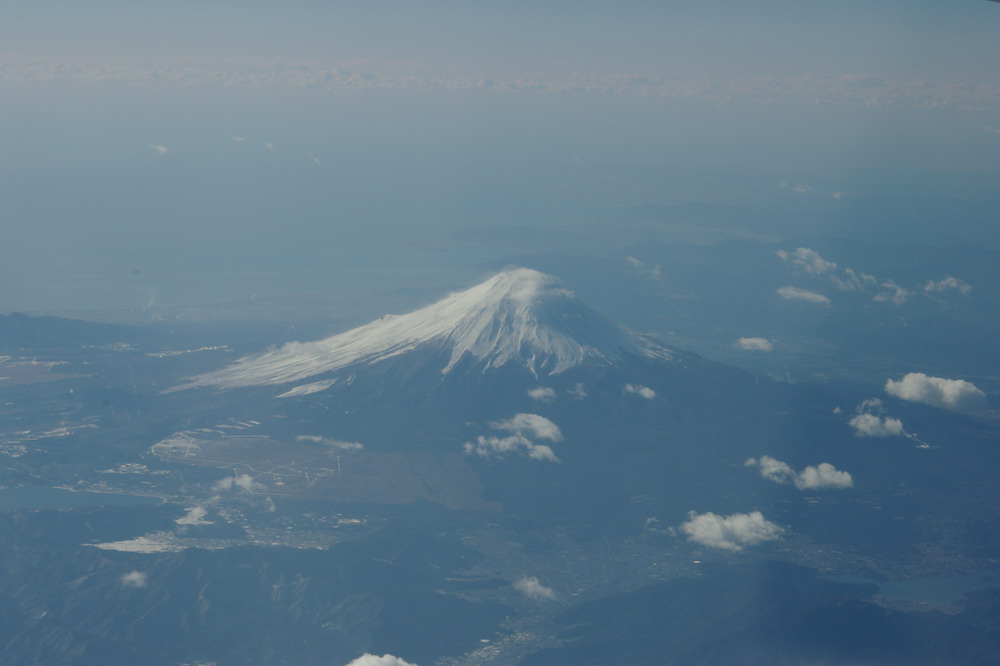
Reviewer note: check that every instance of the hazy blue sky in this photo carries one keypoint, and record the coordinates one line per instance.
(222, 149)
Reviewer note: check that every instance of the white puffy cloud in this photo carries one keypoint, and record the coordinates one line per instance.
(955, 394)
(798, 294)
(732, 532)
(134, 579)
(335, 443)
(823, 475)
(530, 587)
(542, 394)
(893, 293)
(374, 660)
(754, 344)
(949, 283)
(873, 425)
(533, 424)
(158, 149)
(242, 481)
(523, 429)
(870, 420)
(641, 391)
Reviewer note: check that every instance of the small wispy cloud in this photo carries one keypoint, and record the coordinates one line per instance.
(640, 390)
(531, 588)
(949, 283)
(954, 394)
(807, 260)
(578, 392)
(135, 579)
(159, 149)
(542, 394)
(754, 344)
(239, 139)
(733, 532)
(798, 294)
(813, 477)
(893, 293)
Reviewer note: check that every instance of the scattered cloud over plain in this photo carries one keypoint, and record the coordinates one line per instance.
(135, 579)
(798, 294)
(641, 391)
(643, 269)
(542, 394)
(523, 430)
(755, 344)
(892, 293)
(812, 477)
(807, 260)
(810, 261)
(243, 482)
(374, 660)
(870, 420)
(949, 283)
(733, 532)
(954, 394)
(530, 587)
(333, 443)
(194, 516)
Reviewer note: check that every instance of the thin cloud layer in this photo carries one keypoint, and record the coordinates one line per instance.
(954, 394)
(798, 294)
(812, 477)
(531, 588)
(641, 391)
(333, 443)
(733, 532)
(754, 344)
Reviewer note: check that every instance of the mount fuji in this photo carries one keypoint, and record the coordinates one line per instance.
(519, 318)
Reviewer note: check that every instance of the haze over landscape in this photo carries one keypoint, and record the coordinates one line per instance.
(452, 333)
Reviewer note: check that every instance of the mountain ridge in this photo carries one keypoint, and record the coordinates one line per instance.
(519, 316)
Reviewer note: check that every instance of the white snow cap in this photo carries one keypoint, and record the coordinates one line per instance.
(519, 315)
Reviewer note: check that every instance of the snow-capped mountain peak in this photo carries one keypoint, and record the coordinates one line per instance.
(518, 316)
